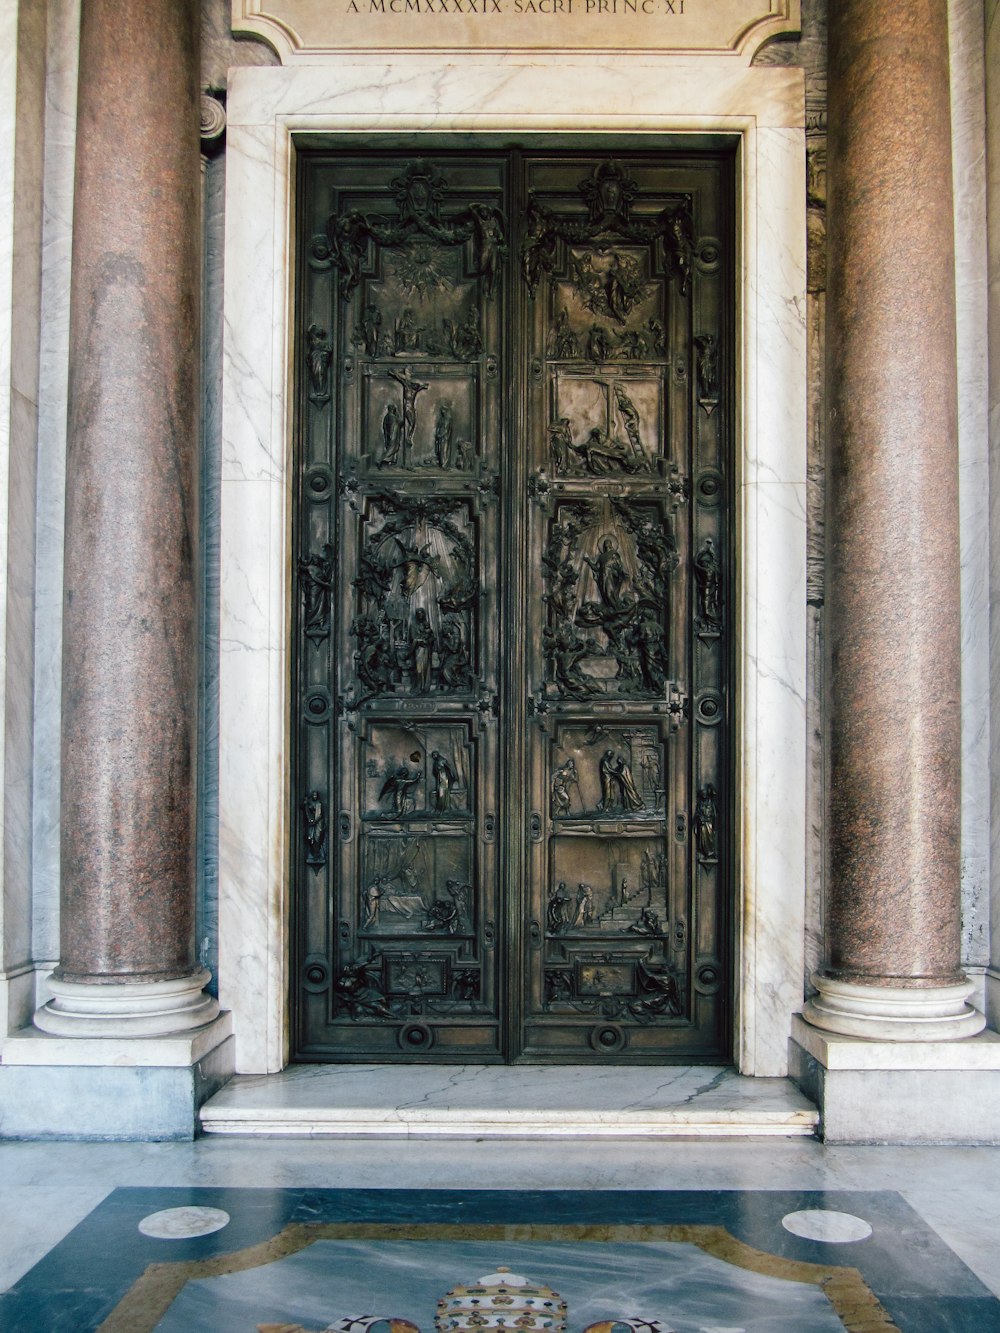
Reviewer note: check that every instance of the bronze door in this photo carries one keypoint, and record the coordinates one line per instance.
(511, 650)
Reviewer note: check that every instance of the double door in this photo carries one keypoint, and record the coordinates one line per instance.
(512, 793)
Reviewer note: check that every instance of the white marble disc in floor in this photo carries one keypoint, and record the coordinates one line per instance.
(827, 1225)
(183, 1223)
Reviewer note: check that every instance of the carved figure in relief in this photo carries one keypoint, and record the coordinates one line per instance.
(609, 573)
(708, 367)
(461, 896)
(463, 455)
(630, 417)
(584, 905)
(410, 387)
(657, 336)
(657, 992)
(489, 232)
(565, 647)
(361, 989)
(598, 343)
(609, 782)
(399, 788)
(465, 985)
(563, 342)
(453, 654)
(618, 789)
(708, 577)
(316, 574)
(563, 778)
(443, 435)
(465, 340)
(319, 356)
(422, 643)
(407, 333)
(348, 247)
(628, 796)
(371, 324)
(444, 778)
(392, 434)
(315, 829)
(442, 915)
(373, 902)
(704, 822)
(647, 924)
(556, 914)
(561, 443)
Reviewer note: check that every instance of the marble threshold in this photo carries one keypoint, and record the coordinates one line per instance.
(491, 1101)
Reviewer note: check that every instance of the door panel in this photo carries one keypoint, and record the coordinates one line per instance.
(511, 667)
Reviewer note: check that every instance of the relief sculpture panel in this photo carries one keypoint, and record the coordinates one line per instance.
(514, 607)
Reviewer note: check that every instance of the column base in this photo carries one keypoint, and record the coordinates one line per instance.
(899, 1092)
(127, 1009)
(891, 1013)
(131, 1088)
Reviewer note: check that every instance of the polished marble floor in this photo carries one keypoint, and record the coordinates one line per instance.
(932, 1259)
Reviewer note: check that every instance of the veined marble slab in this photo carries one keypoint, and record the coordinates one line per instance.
(476, 1101)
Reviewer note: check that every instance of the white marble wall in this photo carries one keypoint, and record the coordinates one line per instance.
(512, 95)
(992, 64)
(969, 174)
(22, 105)
(57, 235)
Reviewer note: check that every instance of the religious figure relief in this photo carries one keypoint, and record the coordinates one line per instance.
(319, 354)
(443, 431)
(563, 344)
(557, 912)
(647, 924)
(598, 343)
(708, 577)
(420, 225)
(399, 791)
(657, 993)
(584, 905)
(360, 989)
(316, 581)
(623, 622)
(409, 388)
(450, 914)
(392, 435)
(708, 372)
(465, 985)
(605, 450)
(314, 821)
(609, 280)
(563, 779)
(367, 333)
(618, 790)
(444, 778)
(464, 340)
(704, 823)
(417, 588)
(609, 285)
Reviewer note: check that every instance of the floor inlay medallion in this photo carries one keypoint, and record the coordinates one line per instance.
(409, 1261)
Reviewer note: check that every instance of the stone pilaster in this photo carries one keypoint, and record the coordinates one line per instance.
(127, 961)
(992, 63)
(892, 967)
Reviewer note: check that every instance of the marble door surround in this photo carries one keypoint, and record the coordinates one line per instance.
(420, 99)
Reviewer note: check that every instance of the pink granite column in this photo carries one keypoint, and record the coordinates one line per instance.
(127, 960)
(893, 961)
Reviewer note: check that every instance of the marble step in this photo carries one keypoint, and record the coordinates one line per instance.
(489, 1101)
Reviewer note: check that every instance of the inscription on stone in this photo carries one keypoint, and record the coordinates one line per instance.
(310, 29)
